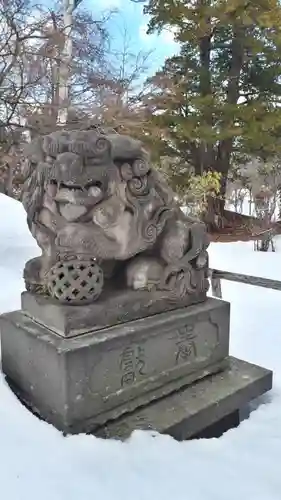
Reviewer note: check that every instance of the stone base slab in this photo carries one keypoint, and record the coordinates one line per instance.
(192, 410)
(80, 383)
(118, 307)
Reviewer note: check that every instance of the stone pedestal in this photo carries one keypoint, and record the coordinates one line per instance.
(80, 382)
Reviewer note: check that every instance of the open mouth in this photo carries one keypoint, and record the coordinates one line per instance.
(88, 195)
(71, 186)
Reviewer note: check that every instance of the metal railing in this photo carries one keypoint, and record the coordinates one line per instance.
(216, 275)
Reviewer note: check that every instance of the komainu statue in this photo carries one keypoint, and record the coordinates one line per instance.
(105, 221)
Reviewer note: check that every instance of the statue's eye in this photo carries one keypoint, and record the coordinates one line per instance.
(94, 191)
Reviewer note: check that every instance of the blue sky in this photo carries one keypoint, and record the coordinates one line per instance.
(130, 15)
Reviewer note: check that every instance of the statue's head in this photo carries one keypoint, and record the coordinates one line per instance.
(91, 177)
(80, 162)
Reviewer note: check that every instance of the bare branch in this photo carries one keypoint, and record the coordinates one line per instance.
(31, 51)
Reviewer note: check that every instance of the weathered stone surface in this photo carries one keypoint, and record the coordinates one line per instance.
(105, 219)
(81, 382)
(192, 409)
(115, 308)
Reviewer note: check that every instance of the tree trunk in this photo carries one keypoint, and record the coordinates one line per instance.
(214, 216)
(215, 211)
(205, 148)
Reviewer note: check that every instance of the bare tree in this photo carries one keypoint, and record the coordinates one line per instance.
(31, 50)
(90, 40)
(264, 180)
(20, 29)
(121, 87)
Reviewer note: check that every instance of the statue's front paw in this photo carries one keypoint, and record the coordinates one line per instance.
(32, 275)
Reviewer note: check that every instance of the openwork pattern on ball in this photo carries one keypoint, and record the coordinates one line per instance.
(75, 281)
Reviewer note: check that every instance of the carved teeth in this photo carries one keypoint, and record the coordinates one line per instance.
(67, 195)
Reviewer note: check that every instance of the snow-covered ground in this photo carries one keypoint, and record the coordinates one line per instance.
(37, 462)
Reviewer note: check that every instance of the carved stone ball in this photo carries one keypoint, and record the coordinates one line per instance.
(75, 281)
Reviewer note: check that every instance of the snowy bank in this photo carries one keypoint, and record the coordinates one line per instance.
(38, 462)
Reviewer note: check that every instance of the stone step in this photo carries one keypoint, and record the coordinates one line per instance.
(191, 410)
